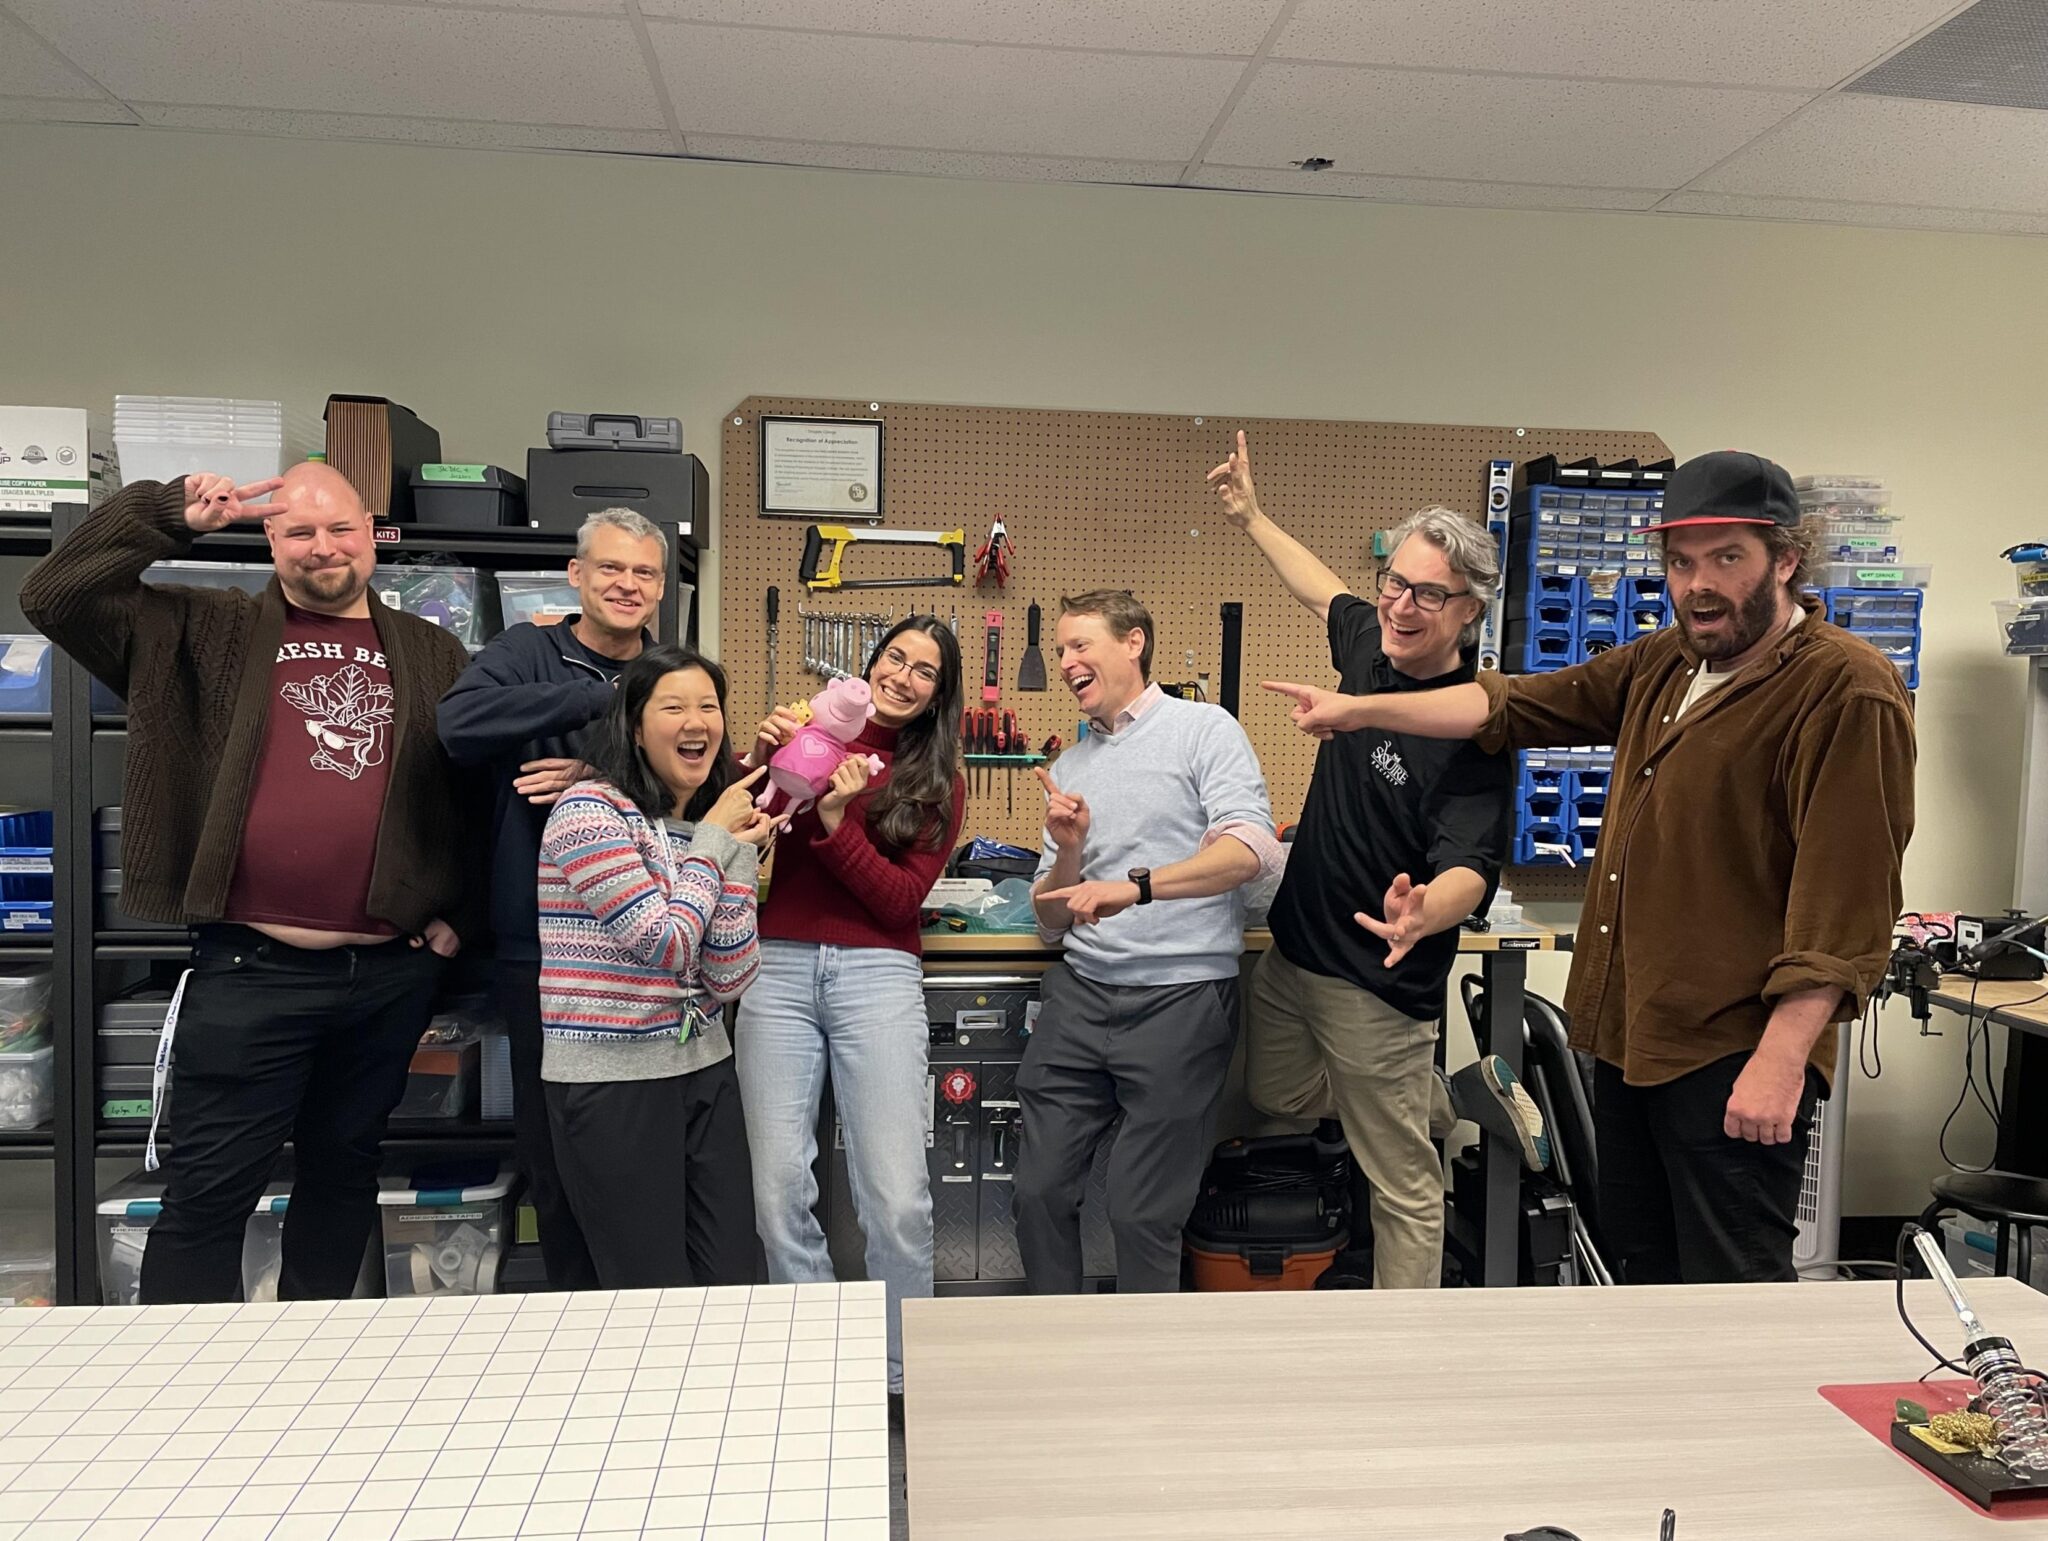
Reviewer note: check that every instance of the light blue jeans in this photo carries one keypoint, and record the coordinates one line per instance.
(857, 1012)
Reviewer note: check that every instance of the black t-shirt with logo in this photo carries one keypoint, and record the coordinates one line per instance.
(1381, 804)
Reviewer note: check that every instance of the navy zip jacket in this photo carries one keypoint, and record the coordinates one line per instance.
(530, 695)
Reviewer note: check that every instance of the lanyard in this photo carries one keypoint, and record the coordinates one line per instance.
(150, 1159)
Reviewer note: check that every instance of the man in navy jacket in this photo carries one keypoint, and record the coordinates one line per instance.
(521, 710)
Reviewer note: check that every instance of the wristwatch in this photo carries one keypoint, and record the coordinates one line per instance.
(1142, 876)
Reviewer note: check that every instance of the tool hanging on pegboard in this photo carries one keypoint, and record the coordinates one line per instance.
(819, 568)
(774, 634)
(993, 559)
(1031, 672)
(992, 679)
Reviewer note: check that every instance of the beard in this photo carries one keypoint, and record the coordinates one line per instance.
(1750, 619)
(330, 585)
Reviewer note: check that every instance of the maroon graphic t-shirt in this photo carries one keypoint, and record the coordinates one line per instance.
(309, 838)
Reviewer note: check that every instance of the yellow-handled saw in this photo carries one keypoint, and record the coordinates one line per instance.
(825, 544)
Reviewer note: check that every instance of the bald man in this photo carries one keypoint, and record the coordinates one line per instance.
(285, 794)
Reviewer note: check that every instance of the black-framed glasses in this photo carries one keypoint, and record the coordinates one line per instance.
(1427, 596)
(899, 660)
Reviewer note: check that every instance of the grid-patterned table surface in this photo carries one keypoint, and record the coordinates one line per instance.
(684, 1415)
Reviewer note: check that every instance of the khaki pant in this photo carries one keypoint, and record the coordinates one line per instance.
(1318, 1047)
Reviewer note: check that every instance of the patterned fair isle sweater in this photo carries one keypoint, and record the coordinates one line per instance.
(643, 935)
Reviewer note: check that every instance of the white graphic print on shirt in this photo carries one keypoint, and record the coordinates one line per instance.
(348, 714)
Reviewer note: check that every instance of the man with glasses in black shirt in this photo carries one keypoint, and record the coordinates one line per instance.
(1401, 838)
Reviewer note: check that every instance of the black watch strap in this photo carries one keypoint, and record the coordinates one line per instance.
(1142, 876)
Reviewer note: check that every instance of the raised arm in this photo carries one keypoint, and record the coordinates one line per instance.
(1307, 579)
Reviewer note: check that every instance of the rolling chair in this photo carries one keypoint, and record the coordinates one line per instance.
(1550, 1071)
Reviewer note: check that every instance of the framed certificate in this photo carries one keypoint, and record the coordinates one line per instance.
(821, 465)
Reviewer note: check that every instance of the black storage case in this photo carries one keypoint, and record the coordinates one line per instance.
(485, 501)
(565, 486)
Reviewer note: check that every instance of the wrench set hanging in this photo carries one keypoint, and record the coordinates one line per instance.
(837, 645)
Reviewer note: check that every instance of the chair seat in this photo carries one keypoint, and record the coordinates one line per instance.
(2007, 1196)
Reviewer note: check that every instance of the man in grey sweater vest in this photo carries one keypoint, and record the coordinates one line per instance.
(1157, 819)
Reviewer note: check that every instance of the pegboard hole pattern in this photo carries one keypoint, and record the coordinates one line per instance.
(1112, 500)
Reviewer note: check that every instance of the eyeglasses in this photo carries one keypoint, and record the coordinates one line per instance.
(899, 660)
(1427, 596)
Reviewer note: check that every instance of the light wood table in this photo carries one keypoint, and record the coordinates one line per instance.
(2020, 1006)
(1459, 1415)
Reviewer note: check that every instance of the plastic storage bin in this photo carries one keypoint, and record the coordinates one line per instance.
(495, 1101)
(124, 1057)
(2022, 626)
(450, 597)
(26, 1095)
(249, 577)
(28, 1259)
(25, 871)
(24, 1007)
(444, 1235)
(24, 675)
(468, 496)
(1857, 575)
(545, 599)
(132, 1206)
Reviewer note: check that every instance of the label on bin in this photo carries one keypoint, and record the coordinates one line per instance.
(139, 1108)
(452, 473)
(1879, 574)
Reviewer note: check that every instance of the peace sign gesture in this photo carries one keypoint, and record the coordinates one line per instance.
(1233, 483)
(215, 502)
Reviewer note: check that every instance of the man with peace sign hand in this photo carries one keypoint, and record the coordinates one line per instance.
(285, 794)
(1401, 838)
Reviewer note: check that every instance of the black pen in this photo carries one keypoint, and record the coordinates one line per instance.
(1669, 1529)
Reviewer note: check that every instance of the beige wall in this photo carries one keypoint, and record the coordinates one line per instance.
(484, 289)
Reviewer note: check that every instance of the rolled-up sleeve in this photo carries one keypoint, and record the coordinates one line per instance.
(1849, 783)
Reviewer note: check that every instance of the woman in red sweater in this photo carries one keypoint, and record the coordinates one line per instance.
(841, 982)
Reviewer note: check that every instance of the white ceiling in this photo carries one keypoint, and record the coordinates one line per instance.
(1729, 107)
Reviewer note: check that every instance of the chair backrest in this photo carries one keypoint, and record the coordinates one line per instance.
(1552, 1072)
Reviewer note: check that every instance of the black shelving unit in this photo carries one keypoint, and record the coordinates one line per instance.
(86, 750)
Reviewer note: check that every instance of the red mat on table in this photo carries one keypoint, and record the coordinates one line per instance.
(1873, 1408)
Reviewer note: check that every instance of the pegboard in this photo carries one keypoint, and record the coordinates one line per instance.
(1112, 500)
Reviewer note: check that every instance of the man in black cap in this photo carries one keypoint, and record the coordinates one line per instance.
(1741, 898)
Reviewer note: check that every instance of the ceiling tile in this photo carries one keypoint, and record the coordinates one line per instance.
(945, 96)
(936, 163)
(50, 109)
(342, 125)
(1839, 212)
(1165, 26)
(1733, 42)
(1487, 195)
(27, 68)
(323, 56)
(1490, 128)
(1876, 149)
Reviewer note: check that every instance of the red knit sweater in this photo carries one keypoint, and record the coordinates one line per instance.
(842, 888)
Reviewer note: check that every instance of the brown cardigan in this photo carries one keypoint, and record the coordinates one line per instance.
(195, 666)
(1749, 850)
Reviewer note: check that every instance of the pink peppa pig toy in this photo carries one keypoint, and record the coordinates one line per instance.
(802, 768)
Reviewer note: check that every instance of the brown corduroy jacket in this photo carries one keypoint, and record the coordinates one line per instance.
(195, 667)
(1749, 849)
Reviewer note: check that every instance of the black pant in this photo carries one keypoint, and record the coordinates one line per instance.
(1681, 1202)
(659, 1177)
(1156, 1053)
(277, 1043)
(563, 1252)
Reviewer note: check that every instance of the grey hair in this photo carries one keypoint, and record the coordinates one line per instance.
(625, 519)
(1470, 549)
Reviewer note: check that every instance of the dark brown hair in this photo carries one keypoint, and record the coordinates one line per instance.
(915, 806)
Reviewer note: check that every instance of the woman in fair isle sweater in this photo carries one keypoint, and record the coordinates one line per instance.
(647, 925)
(841, 986)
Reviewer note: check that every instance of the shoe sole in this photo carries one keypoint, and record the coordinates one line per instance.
(1523, 1114)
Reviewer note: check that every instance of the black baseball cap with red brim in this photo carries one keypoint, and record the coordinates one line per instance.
(1728, 487)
